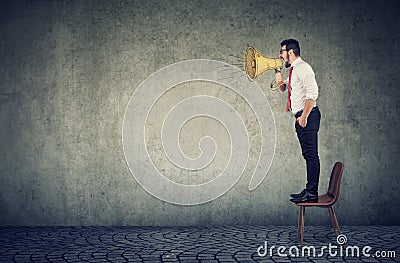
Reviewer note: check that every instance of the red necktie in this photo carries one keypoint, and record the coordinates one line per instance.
(288, 91)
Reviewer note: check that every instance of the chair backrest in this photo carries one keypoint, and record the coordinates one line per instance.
(334, 182)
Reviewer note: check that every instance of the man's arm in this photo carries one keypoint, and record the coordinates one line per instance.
(311, 87)
(302, 120)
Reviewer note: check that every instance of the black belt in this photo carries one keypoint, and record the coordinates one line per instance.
(298, 114)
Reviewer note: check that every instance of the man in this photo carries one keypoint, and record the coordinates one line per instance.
(302, 103)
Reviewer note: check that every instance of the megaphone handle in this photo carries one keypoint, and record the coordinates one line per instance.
(282, 86)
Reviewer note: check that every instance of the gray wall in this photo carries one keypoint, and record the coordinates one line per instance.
(69, 68)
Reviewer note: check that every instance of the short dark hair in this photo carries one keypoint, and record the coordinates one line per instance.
(292, 44)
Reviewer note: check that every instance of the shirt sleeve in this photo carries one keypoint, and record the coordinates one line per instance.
(286, 83)
(309, 82)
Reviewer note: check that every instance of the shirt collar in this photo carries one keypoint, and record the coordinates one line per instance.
(296, 61)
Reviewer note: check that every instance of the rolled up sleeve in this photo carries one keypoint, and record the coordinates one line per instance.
(309, 82)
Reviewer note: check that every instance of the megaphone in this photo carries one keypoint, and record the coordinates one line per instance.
(256, 64)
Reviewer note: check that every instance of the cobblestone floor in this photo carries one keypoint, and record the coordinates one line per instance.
(196, 244)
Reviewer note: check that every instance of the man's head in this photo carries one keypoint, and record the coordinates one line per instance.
(290, 50)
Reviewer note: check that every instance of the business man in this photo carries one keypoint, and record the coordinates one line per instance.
(302, 91)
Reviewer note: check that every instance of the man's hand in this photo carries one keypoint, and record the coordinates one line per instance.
(279, 78)
(302, 120)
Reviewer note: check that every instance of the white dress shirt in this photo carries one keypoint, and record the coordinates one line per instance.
(303, 85)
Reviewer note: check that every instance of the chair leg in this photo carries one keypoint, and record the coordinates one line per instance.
(299, 222)
(336, 222)
(332, 219)
(303, 209)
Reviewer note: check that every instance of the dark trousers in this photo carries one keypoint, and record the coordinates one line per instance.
(308, 138)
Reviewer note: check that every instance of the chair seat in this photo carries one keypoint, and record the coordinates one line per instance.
(323, 201)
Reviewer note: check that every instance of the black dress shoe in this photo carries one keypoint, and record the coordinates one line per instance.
(306, 198)
(299, 194)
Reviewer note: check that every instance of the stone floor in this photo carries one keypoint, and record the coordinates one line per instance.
(198, 244)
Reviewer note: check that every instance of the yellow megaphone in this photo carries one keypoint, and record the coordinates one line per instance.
(256, 64)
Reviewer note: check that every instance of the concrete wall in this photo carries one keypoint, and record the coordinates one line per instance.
(69, 68)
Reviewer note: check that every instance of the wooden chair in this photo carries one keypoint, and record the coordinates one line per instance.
(325, 201)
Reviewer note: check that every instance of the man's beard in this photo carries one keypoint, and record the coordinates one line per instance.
(287, 64)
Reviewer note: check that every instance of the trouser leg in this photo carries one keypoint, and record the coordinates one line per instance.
(308, 138)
